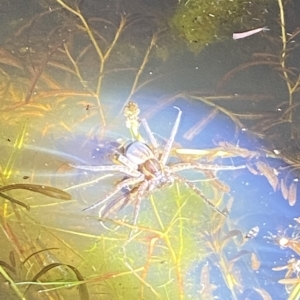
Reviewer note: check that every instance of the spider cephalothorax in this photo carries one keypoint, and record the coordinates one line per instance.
(147, 169)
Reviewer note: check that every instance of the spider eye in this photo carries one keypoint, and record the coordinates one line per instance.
(138, 152)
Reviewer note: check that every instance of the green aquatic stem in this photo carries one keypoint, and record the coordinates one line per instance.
(181, 243)
(36, 188)
(13, 200)
(12, 284)
(108, 52)
(82, 288)
(77, 71)
(227, 275)
(97, 48)
(18, 145)
(144, 283)
(176, 254)
(208, 102)
(142, 67)
(284, 56)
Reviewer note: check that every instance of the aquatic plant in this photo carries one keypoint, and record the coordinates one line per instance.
(202, 22)
(227, 252)
(292, 241)
(54, 86)
(77, 59)
(279, 58)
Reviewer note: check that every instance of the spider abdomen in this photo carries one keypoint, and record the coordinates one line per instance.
(138, 152)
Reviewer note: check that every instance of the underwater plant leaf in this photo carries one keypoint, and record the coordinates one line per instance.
(229, 75)
(37, 252)
(232, 150)
(229, 235)
(232, 281)
(8, 59)
(83, 291)
(42, 189)
(293, 244)
(12, 283)
(280, 268)
(35, 76)
(14, 201)
(268, 172)
(19, 143)
(218, 222)
(255, 262)
(63, 93)
(294, 294)
(263, 294)
(251, 169)
(43, 271)
(207, 287)
(239, 255)
(12, 259)
(284, 189)
(194, 154)
(229, 204)
(198, 127)
(226, 150)
(7, 266)
(289, 280)
(292, 194)
(215, 182)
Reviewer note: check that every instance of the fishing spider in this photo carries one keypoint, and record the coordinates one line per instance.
(147, 170)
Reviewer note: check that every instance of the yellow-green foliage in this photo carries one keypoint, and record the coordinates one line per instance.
(201, 22)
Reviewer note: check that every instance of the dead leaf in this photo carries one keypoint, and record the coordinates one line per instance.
(255, 263)
(284, 189)
(292, 194)
(268, 172)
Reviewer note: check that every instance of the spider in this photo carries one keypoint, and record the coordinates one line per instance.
(147, 170)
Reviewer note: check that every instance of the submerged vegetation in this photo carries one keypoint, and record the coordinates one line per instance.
(202, 22)
(67, 72)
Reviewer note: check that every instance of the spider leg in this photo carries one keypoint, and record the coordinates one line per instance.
(199, 166)
(135, 195)
(167, 149)
(140, 193)
(139, 196)
(126, 162)
(118, 203)
(151, 137)
(198, 192)
(119, 186)
(115, 205)
(119, 168)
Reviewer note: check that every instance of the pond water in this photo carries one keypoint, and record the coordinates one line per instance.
(217, 218)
